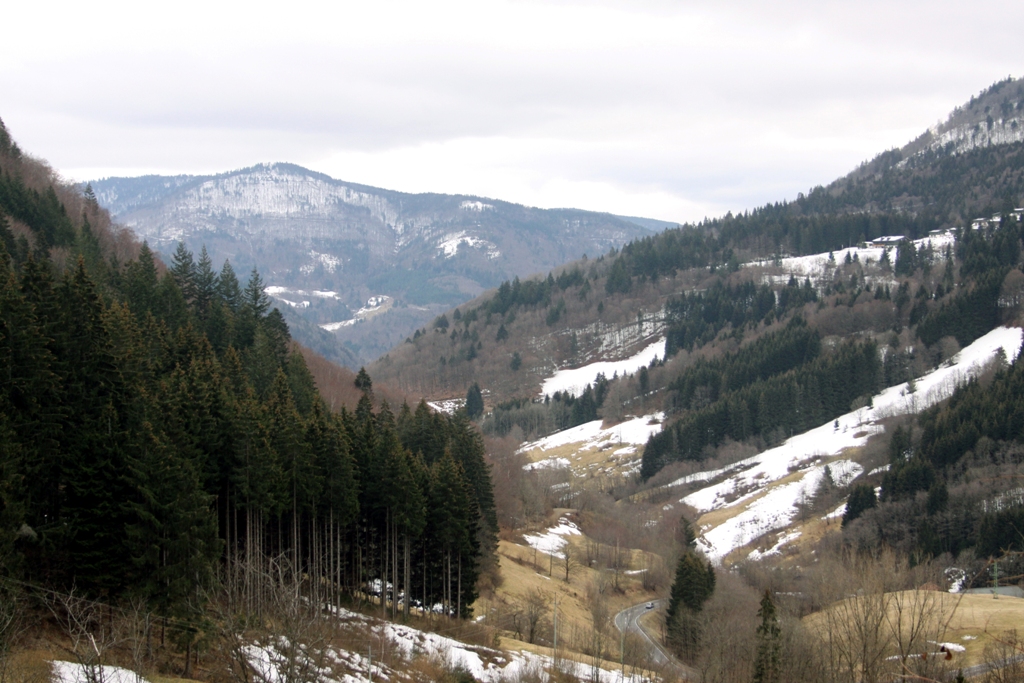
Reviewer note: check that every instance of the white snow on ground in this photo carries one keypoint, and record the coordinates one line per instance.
(549, 464)
(447, 406)
(818, 265)
(633, 431)
(449, 244)
(837, 513)
(809, 452)
(276, 291)
(374, 304)
(773, 510)
(73, 672)
(485, 664)
(775, 549)
(575, 380)
(552, 540)
(589, 436)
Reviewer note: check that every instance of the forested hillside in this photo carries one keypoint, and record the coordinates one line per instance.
(161, 437)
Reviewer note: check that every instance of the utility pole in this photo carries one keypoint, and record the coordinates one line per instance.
(369, 661)
(622, 654)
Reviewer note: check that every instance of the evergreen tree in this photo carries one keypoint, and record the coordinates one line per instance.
(228, 289)
(862, 498)
(474, 402)
(768, 664)
(140, 282)
(363, 382)
(693, 585)
(206, 285)
(183, 270)
(98, 466)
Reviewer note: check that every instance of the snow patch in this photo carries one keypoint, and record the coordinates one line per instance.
(775, 549)
(73, 672)
(552, 540)
(374, 305)
(809, 452)
(590, 435)
(575, 380)
(447, 406)
(475, 206)
(449, 244)
(548, 464)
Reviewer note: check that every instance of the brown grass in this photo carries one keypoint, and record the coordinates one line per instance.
(981, 617)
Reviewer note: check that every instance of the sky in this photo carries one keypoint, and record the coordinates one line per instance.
(669, 110)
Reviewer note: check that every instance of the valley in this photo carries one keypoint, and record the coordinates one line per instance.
(778, 445)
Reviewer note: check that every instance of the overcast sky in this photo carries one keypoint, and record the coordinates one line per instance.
(671, 110)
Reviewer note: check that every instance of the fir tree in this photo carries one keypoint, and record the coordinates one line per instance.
(474, 402)
(183, 270)
(205, 281)
(228, 288)
(768, 664)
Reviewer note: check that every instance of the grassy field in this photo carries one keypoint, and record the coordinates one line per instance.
(973, 621)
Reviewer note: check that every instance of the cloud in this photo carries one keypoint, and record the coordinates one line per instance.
(667, 109)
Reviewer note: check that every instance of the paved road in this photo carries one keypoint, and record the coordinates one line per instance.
(628, 621)
(980, 669)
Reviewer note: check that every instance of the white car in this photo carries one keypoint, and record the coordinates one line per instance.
(650, 605)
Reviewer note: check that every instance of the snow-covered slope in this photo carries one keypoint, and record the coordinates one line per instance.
(575, 380)
(340, 665)
(763, 491)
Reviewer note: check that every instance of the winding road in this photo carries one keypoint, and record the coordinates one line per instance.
(628, 621)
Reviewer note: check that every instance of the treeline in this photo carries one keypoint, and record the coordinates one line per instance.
(706, 380)
(695, 318)
(937, 184)
(139, 458)
(986, 256)
(517, 293)
(949, 486)
(774, 228)
(950, 483)
(785, 404)
(559, 411)
(160, 434)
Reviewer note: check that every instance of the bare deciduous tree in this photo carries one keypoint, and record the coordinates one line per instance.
(89, 634)
(535, 610)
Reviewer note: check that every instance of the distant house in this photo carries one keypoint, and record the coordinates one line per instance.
(979, 223)
(886, 240)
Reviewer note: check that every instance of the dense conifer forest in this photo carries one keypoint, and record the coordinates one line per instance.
(161, 437)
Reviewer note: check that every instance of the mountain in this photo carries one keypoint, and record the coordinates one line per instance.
(339, 253)
(609, 308)
(967, 166)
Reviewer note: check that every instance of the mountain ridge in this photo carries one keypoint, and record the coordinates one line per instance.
(307, 231)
